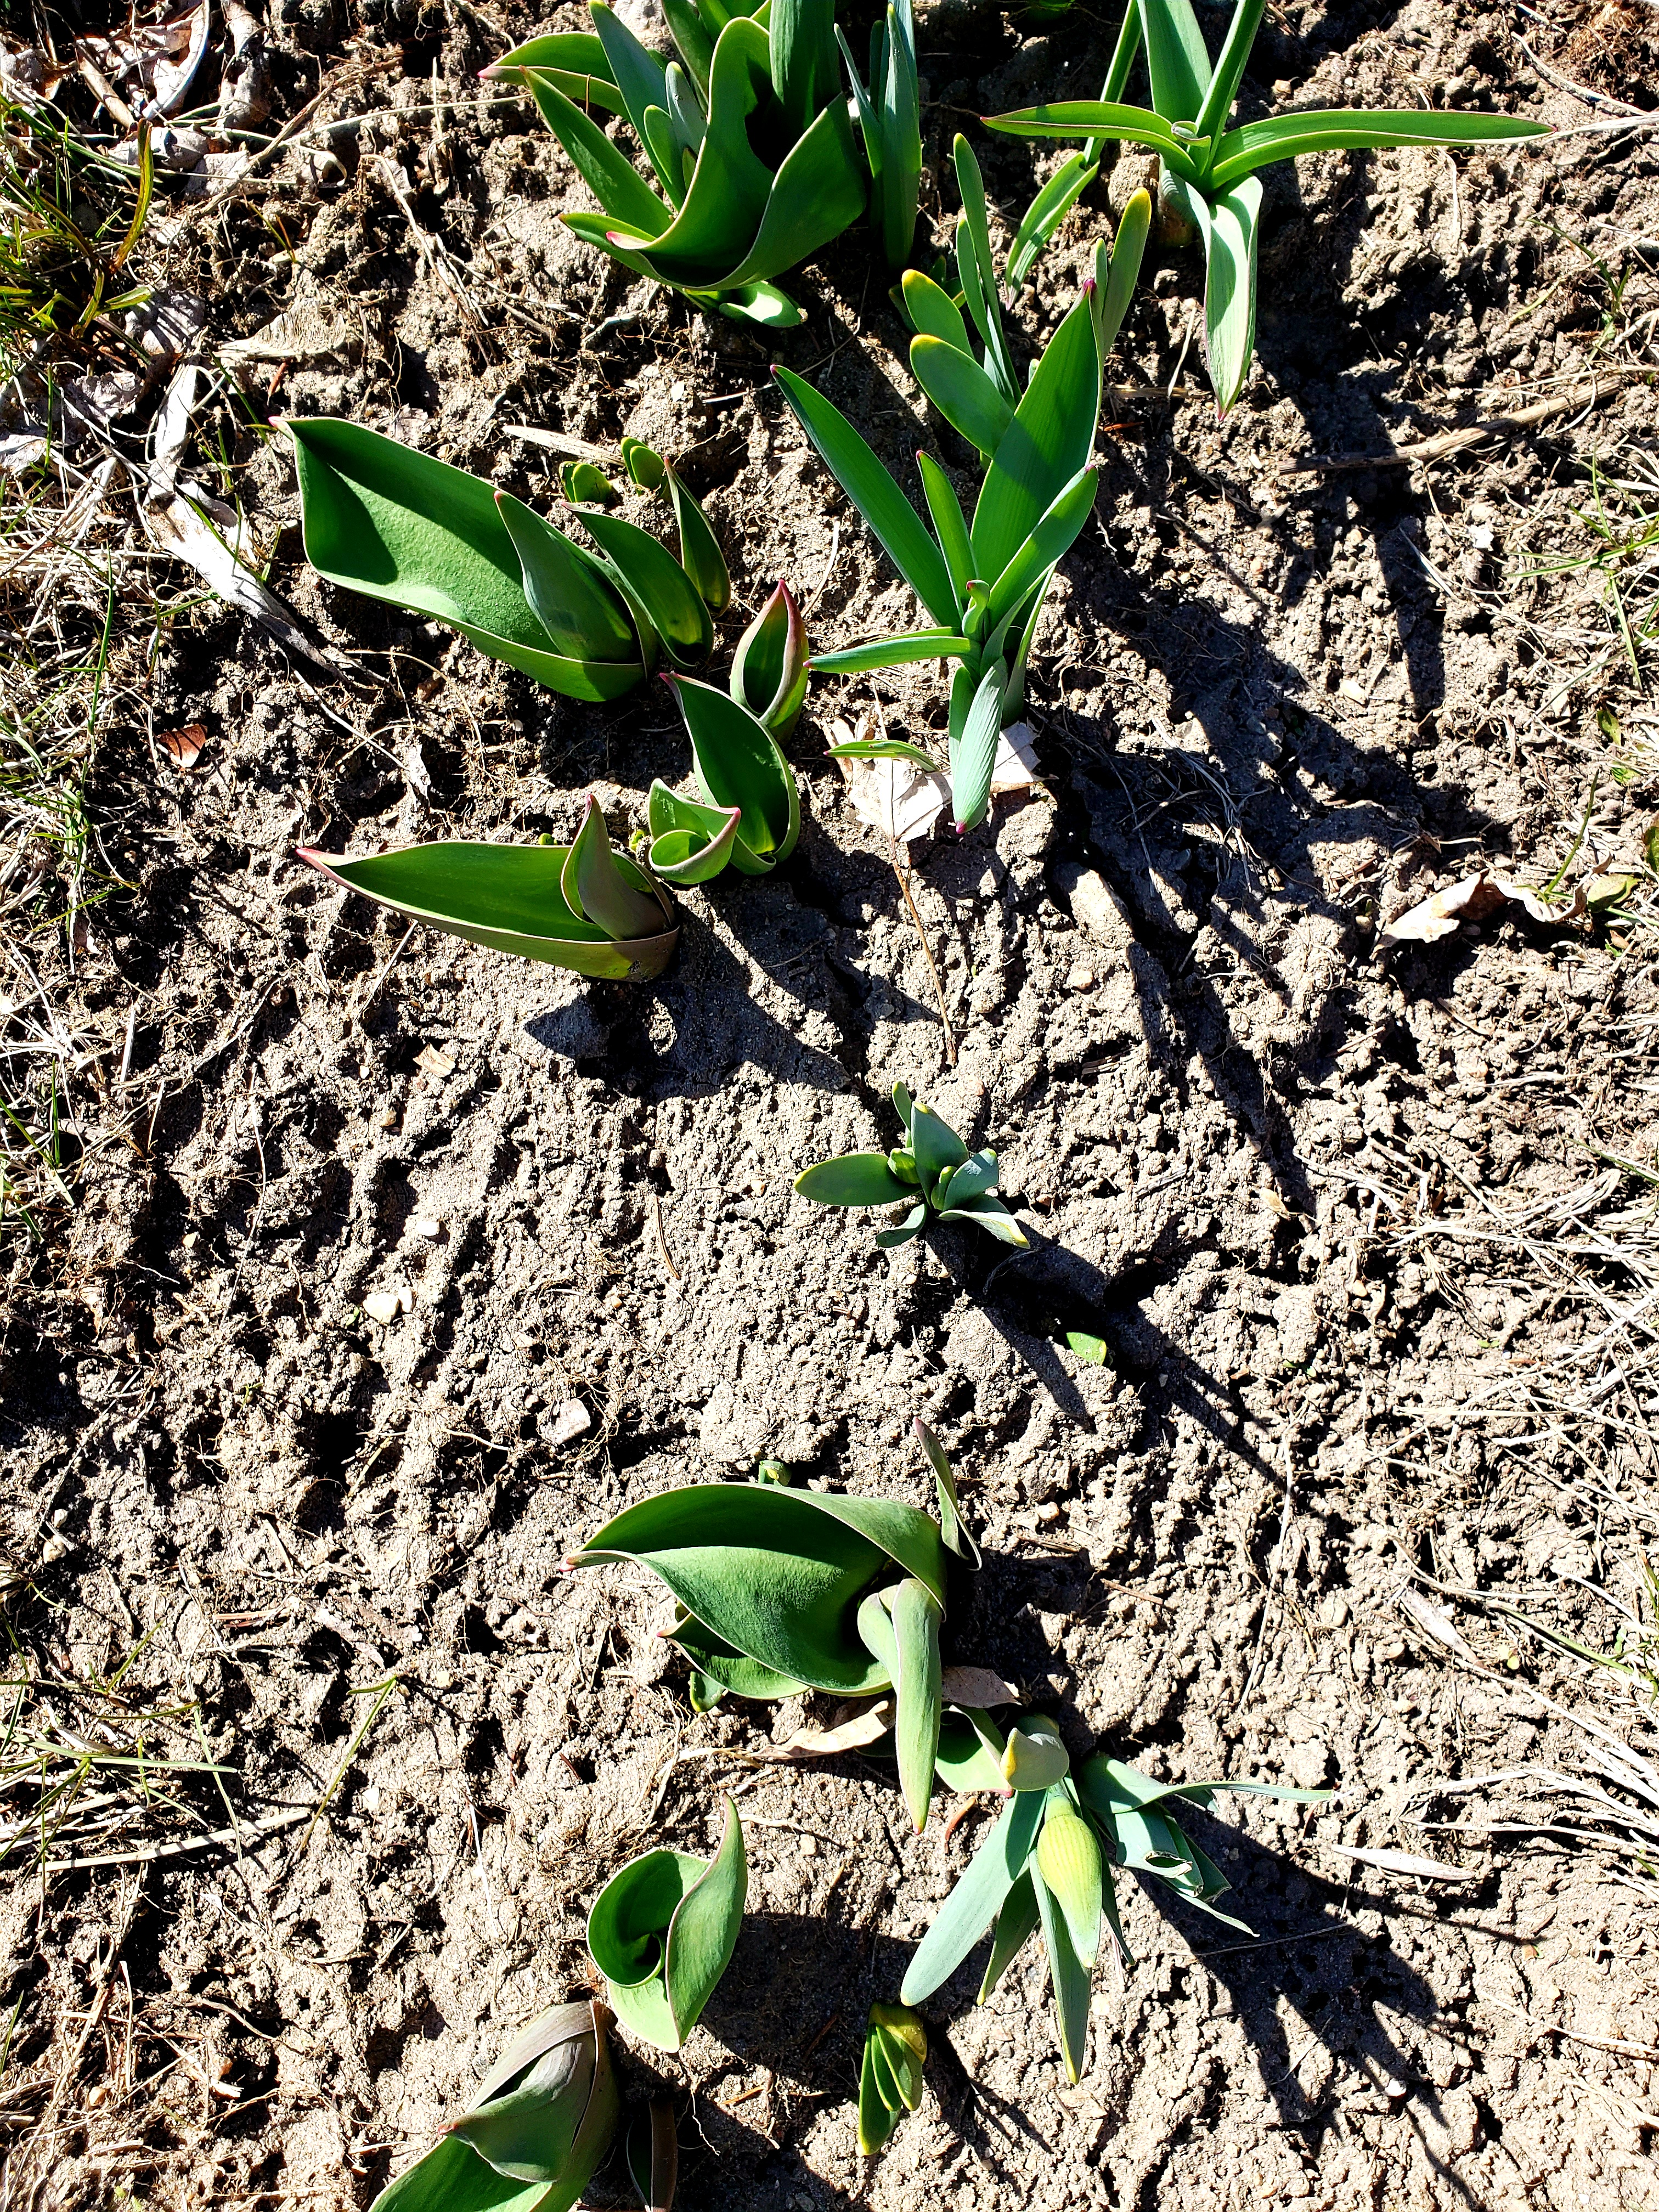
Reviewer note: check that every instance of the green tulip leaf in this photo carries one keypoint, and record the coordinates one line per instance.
(1240, 153)
(883, 748)
(574, 59)
(1068, 1977)
(916, 1615)
(769, 670)
(974, 757)
(1047, 444)
(695, 40)
(1068, 1859)
(640, 77)
(1045, 215)
(1055, 532)
(1035, 1759)
(854, 1179)
(901, 2037)
(703, 1933)
(594, 883)
(977, 270)
(933, 312)
(453, 2177)
(645, 465)
(976, 1899)
(676, 607)
(1017, 1923)
(961, 391)
(1117, 269)
(652, 2148)
(950, 526)
(953, 1529)
(935, 1145)
(890, 1239)
(737, 763)
(700, 554)
(662, 1932)
(897, 651)
(689, 843)
(969, 1756)
(878, 2117)
(602, 165)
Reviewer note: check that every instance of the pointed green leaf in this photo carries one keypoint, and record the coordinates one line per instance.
(529, 2129)
(817, 193)
(763, 304)
(991, 1215)
(962, 392)
(640, 76)
(506, 897)
(873, 492)
(1068, 1859)
(603, 167)
(901, 2036)
(934, 1144)
(1046, 213)
(975, 1177)
(933, 312)
(1111, 1786)
(737, 763)
(727, 195)
(949, 524)
(594, 882)
(675, 605)
(975, 756)
(970, 1755)
(869, 118)
(1223, 87)
(1227, 225)
(877, 1634)
(652, 2150)
(685, 112)
(1177, 60)
(453, 2177)
(693, 40)
(1068, 1977)
(910, 645)
(1055, 532)
(769, 669)
(1016, 1923)
(889, 1239)
(898, 97)
(1092, 118)
(876, 2117)
(978, 271)
(572, 601)
(951, 1529)
(804, 69)
(703, 1933)
(1117, 269)
(854, 1179)
(1284, 137)
(1048, 441)
(916, 1615)
(700, 554)
(575, 61)
(976, 1899)
(667, 157)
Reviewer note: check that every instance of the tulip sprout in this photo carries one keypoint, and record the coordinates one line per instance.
(405, 528)
(1210, 176)
(890, 2078)
(932, 1171)
(723, 220)
(583, 906)
(984, 586)
(545, 2117)
(748, 811)
(781, 1590)
(1048, 1864)
(662, 1933)
(769, 674)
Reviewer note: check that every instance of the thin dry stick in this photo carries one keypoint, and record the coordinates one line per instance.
(369, 1689)
(1456, 441)
(927, 954)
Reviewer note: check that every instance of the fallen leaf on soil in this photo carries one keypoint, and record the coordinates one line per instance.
(384, 1306)
(155, 62)
(570, 1421)
(896, 797)
(1472, 900)
(975, 1688)
(182, 747)
(1435, 1621)
(852, 1728)
(1406, 1862)
(433, 1061)
(1015, 766)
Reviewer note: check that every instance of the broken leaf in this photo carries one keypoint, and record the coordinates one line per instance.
(432, 1060)
(1474, 899)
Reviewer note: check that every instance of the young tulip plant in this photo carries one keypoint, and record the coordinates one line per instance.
(1048, 1864)
(1210, 176)
(932, 1172)
(662, 1933)
(410, 530)
(778, 1591)
(890, 2078)
(983, 587)
(749, 137)
(543, 2119)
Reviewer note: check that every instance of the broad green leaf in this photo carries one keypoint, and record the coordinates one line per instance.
(805, 72)
(700, 554)
(528, 2129)
(903, 1106)
(695, 42)
(1101, 118)
(1068, 1977)
(949, 524)
(873, 492)
(575, 61)
(703, 1933)
(1177, 61)
(876, 2117)
(976, 1899)
(627, 1926)
(685, 112)
(729, 189)
(975, 756)
(1015, 1924)
(761, 303)
(730, 1672)
(1050, 439)
(1117, 72)
(1227, 225)
(769, 669)
(903, 2037)
(1284, 137)
(991, 1215)
(1046, 213)
(737, 763)
(667, 155)
(645, 465)
(890, 1239)
(602, 165)
(933, 312)
(1222, 88)
(817, 193)
(773, 1573)
(624, 245)
(976, 1176)
(640, 76)
(1068, 1859)
(934, 1144)
(689, 843)
(506, 897)
(878, 1635)
(1034, 1758)
(961, 391)
(1116, 268)
(594, 885)
(581, 614)
(854, 1179)
(908, 646)
(675, 605)
(1055, 532)
(916, 1615)
(453, 2177)
(951, 1529)
(970, 1755)
(869, 118)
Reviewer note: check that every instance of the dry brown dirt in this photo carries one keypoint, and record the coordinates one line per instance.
(1362, 1229)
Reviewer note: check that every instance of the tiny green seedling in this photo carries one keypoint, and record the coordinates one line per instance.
(781, 1590)
(403, 528)
(1048, 1864)
(543, 2119)
(748, 810)
(1210, 176)
(583, 906)
(890, 2078)
(932, 1171)
(983, 587)
(662, 1933)
(749, 137)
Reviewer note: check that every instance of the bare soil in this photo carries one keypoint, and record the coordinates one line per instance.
(1362, 1228)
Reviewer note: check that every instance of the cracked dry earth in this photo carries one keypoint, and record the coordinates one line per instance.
(1260, 1154)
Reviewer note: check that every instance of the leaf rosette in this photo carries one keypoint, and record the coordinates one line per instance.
(932, 1171)
(662, 1932)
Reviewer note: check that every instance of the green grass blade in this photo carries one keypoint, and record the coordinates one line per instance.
(873, 492)
(962, 392)
(976, 1899)
(1284, 137)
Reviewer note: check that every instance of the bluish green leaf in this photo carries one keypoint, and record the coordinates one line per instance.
(901, 2035)
(703, 1933)
(1055, 531)
(693, 40)
(908, 646)
(675, 605)
(916, 1615)
(1286, 137)
(804, 69)
(991, 1215)
(961, 391)
(854, 1179)
(1048, 211)
(1227, 225)
(603, 167)
(453, 2177)
(934, 1144)
(898, 99)
(819, 191)
(976, 1899)
(978, 271)
(1034, 1760)
(723, 205)
(889, 1239)
(1177, 60)
(970, 1755)
(1017, 1923)
(975, 756)
(952, 1530)
(1100, 118)
(737, 763)
(689, 844)
(640, 76)
(700, 554)
(1050, 439)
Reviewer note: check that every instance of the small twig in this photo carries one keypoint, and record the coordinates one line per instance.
(176, 1848)
(1455, 441)
(380, 1692)
(927, 954)
(390, 962)
(662, 1240)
